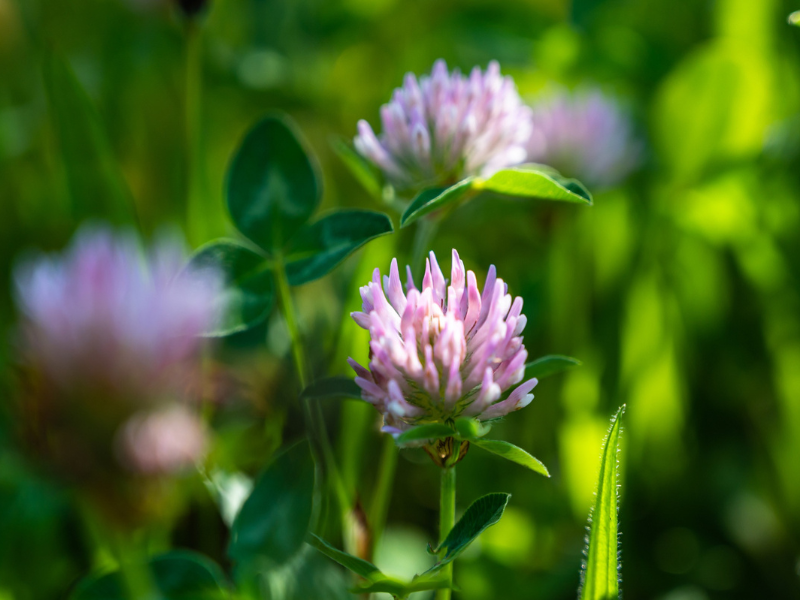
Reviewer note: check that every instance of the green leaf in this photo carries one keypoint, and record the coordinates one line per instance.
(429, 431)
(361, 169)
(540, 184)
(357, 565)
(794, 18)
(274, 520)
(550, 365)
(483, 513)
(96, 184)
(178, 575)
(471, 429)
(272, 184)
(332, 387)
(600, 575)
(433, 199)
(513, 453)
(318, 248)
(249, 290)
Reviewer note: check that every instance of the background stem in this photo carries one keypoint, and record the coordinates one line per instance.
(383, 489)
(313, 414)
(447, 518)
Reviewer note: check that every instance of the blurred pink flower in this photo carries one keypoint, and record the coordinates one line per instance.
(586, 135)
(442, 352)
(447, 126)
(105, 316)
(162, 442)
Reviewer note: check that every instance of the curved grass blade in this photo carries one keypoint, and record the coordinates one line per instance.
(600, 575)
(514, 454)
(550, 365)
(359, 566)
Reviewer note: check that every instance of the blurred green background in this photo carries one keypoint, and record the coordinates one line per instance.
(679, 290)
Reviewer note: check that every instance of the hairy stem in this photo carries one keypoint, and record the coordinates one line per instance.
(447, 518)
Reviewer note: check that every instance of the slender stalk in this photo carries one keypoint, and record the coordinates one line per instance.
(383, 489)
(287, 308)
(447, 518)
(426, 231)
(312, 412)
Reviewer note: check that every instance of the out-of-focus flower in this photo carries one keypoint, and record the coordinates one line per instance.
(443, 351)
(110, 359)
(162, 442)
(585, 134)
(447, 126)
(107, 317)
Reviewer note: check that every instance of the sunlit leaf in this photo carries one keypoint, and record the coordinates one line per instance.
(178, 575)
(274, 520)
(539, 184)
(600, 575)
(514, 454)
(794, 18)
(550, 365)
(433, 199)
(362, 170)
(429, 431)
(471, 429)
(96, 184)
(359, 566)
(320, 247)
(272, 184)
(483, 513)
(249, 291)
(332, 387)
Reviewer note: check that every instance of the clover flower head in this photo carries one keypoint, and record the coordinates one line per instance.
(446, 126)
(105, 315)
(585, 134)
(444, 351)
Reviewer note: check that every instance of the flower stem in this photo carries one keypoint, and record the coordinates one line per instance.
(447, 519)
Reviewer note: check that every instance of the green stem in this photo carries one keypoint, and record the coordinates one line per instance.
(312, 411)
(383, 489)
(287, 308)
(447, 519)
